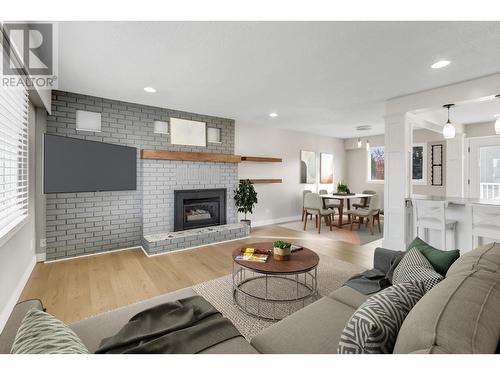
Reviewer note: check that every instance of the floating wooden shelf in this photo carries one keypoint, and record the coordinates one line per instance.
(189, 156)
(264, 180)
(261, 159)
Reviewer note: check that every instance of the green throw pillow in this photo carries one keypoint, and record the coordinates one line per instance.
(440, 260)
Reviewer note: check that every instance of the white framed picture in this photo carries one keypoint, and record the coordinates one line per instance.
(188, 132)
(307, 167)
(325, 168)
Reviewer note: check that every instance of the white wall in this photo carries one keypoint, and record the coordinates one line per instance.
(357, 165)
(430, 138)
(17, 255)
(482, 129)
(283, 202)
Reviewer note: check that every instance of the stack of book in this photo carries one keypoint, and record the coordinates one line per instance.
(250, 254)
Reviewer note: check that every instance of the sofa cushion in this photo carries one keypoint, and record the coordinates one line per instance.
(485, 257)
(415, 267)
(440, 260)
(16, 317)
(349, 296)
(315, 329)
(94, 329)
(374, 326)
(459, 315)
(41, 333)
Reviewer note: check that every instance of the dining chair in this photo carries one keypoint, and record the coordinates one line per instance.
(329, 203)
(364, 202)
(313, 205)
(370, 213)
(303, 198)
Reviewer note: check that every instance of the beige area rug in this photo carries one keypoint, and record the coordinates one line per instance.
(332, 273)
(357, 236)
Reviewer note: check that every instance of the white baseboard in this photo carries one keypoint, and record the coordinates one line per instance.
(260, 223)
(16, 293)
(94, 254)
(41, 257)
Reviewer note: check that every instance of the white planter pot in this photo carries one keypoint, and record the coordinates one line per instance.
(282, 252)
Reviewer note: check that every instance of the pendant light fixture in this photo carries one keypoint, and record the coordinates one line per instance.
(497, 122)
(359, 142)
(448, 129)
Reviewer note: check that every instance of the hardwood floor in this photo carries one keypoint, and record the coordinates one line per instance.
(76, 289)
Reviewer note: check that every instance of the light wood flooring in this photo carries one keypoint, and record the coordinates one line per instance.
(76, 289)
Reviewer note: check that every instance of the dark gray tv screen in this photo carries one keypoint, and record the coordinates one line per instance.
(76, 165)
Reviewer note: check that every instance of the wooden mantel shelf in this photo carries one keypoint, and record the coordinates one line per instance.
(189, 156)
(203, 156)
(261, 159)
(264, 180)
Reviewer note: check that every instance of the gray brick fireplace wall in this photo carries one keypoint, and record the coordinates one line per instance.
(161, 179)
(86, 223)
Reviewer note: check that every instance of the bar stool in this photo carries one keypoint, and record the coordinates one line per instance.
(432, 215)
(485, 223)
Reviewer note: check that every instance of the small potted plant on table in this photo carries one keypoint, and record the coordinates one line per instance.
(245, 198)
(343, 189)
(282, 250)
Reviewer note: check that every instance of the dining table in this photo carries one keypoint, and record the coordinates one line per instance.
(343, 198)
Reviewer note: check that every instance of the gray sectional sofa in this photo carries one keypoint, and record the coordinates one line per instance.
(459, 315)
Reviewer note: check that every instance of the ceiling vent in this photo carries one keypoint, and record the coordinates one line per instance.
(363, 128)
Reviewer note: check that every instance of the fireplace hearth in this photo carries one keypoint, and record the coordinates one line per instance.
(199, 208)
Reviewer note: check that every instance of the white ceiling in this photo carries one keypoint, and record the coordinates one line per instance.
(320, 77)
(471, 113)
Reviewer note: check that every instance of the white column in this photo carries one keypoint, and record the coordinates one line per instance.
(397, 225)
(454, 178)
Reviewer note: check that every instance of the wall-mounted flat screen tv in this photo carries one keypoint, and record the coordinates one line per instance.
(75, 165)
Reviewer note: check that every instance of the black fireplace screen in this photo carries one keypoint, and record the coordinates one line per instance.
(199, 208)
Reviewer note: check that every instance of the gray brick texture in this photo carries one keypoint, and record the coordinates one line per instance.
(87, 223)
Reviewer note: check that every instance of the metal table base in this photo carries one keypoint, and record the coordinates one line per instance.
(305, 280)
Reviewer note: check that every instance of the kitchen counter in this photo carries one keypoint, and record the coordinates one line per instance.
(458, 200)
(458, 209)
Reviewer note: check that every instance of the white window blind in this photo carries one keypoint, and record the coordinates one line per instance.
(13, 157)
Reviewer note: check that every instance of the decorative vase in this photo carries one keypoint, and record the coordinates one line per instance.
(282, 254)
(247, 222)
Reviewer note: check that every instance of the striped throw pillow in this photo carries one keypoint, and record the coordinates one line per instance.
(415, 267)
(374, 326)
(41, 333)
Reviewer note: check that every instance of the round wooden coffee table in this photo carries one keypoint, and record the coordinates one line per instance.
(260, 289)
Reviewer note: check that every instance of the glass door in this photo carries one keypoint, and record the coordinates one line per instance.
(484, 168)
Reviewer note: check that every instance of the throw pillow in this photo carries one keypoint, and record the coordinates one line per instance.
(374, 326)
(41, 333)
(415, 267)
(440, 260)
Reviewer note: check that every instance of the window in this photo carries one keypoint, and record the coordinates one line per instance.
(13, 158)
(419, 164)
(376, 164)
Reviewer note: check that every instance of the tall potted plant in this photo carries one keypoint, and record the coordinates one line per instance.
(245, 198)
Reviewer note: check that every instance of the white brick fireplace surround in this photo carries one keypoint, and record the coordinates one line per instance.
(86, 223)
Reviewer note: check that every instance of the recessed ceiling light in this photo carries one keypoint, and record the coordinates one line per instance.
(440, 64)
(149, 89)
(273, 114)
(363, 127)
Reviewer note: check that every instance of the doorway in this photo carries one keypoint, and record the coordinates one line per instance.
(483, 166)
